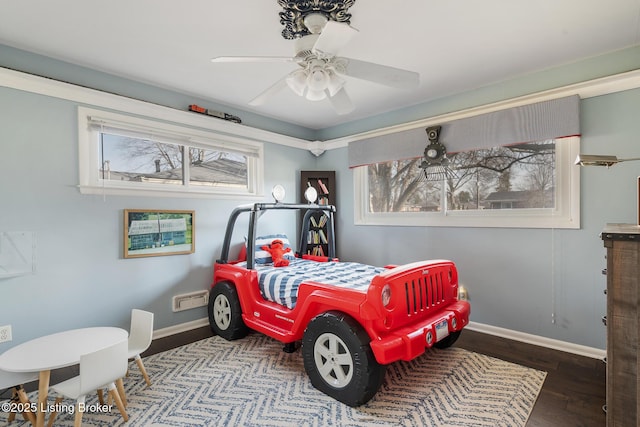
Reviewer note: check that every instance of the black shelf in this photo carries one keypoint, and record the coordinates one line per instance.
(325, 184)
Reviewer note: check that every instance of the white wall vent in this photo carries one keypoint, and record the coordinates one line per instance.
(190, 300)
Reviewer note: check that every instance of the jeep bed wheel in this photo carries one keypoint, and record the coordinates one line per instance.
(339, 360)
(225, 313)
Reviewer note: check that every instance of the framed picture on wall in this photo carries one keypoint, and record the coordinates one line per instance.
(158, 232)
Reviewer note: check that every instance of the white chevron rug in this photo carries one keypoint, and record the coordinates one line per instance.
(252, 382)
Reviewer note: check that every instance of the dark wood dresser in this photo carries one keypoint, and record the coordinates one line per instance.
(623, 324)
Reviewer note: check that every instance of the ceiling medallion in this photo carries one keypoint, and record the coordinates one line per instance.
(295, 11)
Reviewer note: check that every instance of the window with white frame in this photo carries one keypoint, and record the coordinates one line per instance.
(528, 185)
(122, 154)
(496, 181)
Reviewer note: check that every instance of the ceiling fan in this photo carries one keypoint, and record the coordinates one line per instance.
(321, 70)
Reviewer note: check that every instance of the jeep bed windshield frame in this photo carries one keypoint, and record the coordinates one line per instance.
(257, 209)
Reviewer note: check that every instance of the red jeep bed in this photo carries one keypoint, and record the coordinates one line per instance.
(352, 319)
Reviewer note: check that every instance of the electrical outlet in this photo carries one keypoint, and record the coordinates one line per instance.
(5, 333)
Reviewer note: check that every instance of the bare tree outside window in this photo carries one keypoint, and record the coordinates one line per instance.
(141, 160)
(520, 176)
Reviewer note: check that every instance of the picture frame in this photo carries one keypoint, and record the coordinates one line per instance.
(154, 232)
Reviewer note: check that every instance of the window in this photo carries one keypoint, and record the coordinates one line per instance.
(122, 154)
(524, 185)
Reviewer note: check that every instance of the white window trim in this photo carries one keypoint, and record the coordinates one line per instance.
(566, 214)
(88, 156)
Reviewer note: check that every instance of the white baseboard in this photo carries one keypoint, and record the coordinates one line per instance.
(567, 347)
(182, 327)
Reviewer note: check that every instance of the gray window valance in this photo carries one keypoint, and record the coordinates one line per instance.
(551, 119)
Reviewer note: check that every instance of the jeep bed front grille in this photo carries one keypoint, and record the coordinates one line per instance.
(427, 291)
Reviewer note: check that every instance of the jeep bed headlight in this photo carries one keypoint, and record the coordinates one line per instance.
(386, 295)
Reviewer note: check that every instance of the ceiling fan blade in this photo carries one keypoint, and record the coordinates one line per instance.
(341, 102)
(333, 37)
(385, 75)
(229, 59)
(275, 88)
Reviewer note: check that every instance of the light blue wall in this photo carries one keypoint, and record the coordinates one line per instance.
(81, 277)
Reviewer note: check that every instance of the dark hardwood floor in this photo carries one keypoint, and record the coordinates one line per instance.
(574, 390)
(572, 395)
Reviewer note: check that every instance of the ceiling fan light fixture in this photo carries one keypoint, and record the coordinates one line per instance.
(315, 95)
(318, 79)
(335, 83)
(297, 82)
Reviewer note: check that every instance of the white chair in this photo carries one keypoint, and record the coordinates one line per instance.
(97, 370)
(140, 336)
(14, 381)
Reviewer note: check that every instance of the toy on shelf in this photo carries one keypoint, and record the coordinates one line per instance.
(224, 116)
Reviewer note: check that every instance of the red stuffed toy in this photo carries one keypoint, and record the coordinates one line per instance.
(277, 251)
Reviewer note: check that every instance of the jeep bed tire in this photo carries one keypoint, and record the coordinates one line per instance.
(339, 360)
(225, 313)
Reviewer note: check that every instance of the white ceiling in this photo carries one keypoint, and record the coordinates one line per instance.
(455, 45)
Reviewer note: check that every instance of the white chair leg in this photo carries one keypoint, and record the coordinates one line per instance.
(120, 387)
(113, 392)
(143, 370)
(77, 422)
